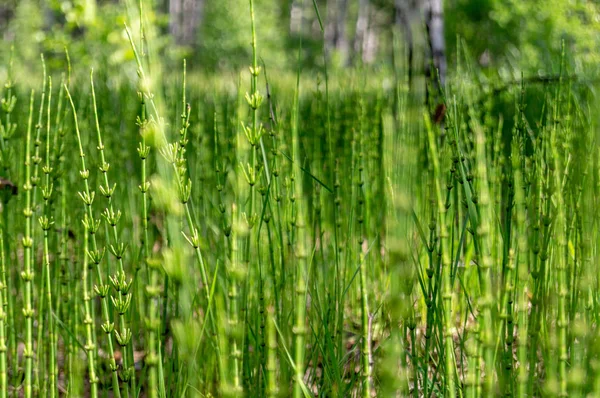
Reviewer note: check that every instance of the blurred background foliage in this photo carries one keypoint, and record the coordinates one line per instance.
(511, 36)
(505, 37)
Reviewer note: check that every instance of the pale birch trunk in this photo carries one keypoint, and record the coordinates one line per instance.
(362, 26)
(434, 22)
(185, 17)
(336, 30)
(402, 8)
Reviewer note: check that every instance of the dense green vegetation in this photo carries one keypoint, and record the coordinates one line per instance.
(288, 227)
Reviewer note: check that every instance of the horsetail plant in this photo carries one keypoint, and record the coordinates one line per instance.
(166, 203)
(366, 353)
(46, 221)
(175, 155)
(27, 274)
(522, 269)
(445, 270)
(35, 180)
(87, 320)
(7, 129)
(153, 289)
(254, 135)
(560, 172)
(92, 225)
(299, 253)
(119, 280)
(3, 320)
(249, 279)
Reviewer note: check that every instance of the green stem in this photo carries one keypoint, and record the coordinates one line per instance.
(101, 289)
(27, 274)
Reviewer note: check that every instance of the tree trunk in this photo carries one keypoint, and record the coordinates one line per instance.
(296, 16)
(369, 50)
(402, 22)
(192, 17)
(6, 12)
(434, 23)
(185, 17)
(362, 26)
(336, 29)
(175, 19)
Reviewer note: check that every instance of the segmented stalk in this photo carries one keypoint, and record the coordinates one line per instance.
(36, 159)
(561, 257)
(46, 221)
(3, 318)
(363, 290)
(175, 154)
(234, 323)
(300, 252)
(7, 130)
(87, 319)
(35, 180)
(448, 329)
(485, 265)
(153, 289)
(271, 367)
(522, 271)
(92, 225)
(117, 248)
(27, 274)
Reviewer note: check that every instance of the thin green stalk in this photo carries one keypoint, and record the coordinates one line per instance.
(271, 367)
(180, 165)
(448, 328)
(35, 180)
(252, 172)
(46, 221)
(299, 249)
(87, 319)
(522, 273)
(485, 261)
(234, 326)
(363, 290)
(153, 289)
(3, 318)
(171, 225)
(87, 196)
(119, 281)
(27, 274)
(8, 104)
(561, 266)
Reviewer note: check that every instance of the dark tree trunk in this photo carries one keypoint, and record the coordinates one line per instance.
(6, 14)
